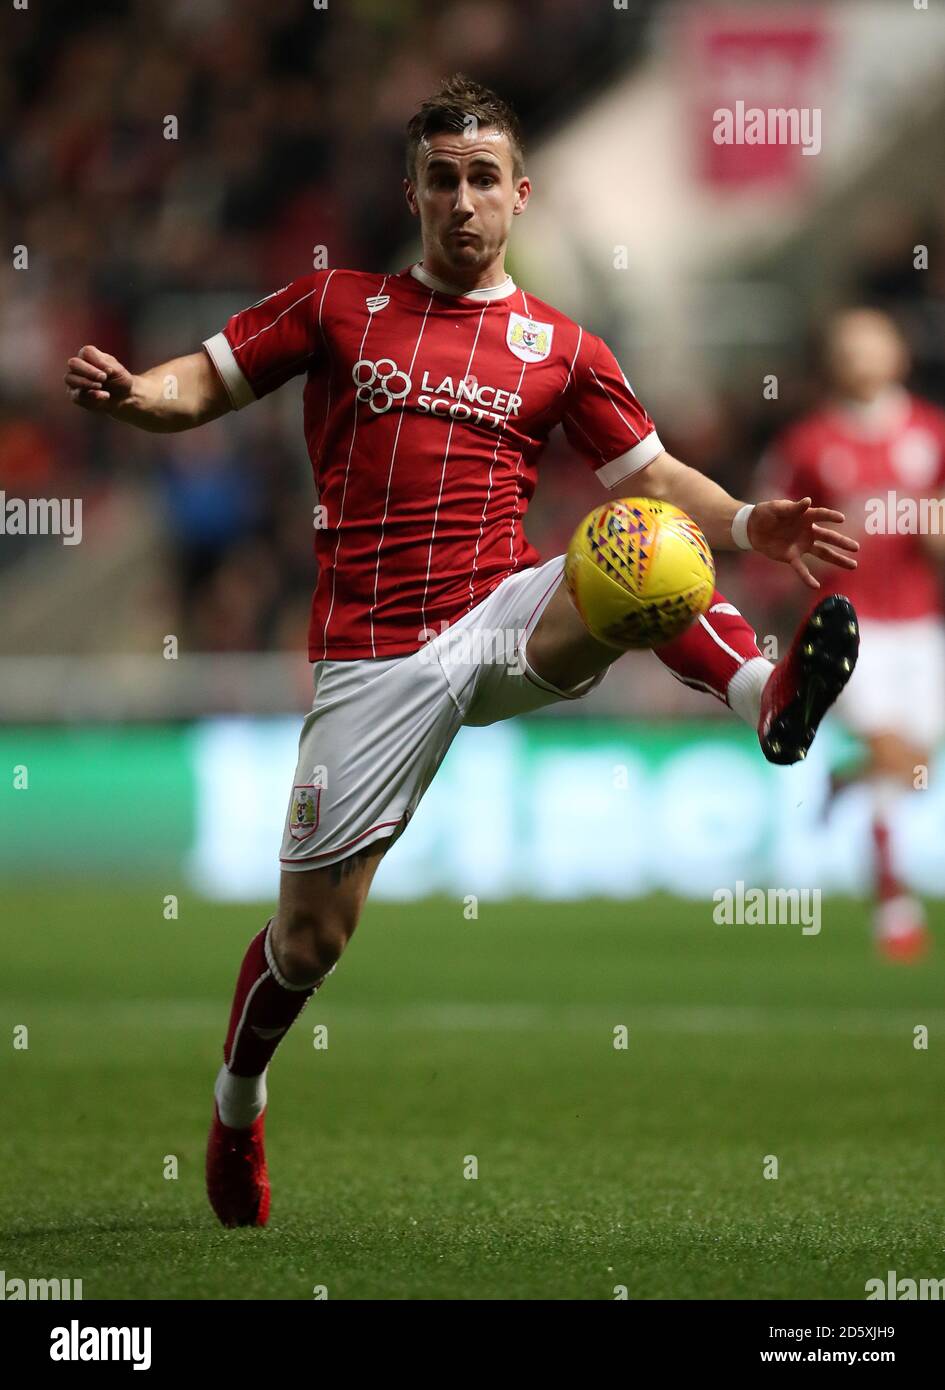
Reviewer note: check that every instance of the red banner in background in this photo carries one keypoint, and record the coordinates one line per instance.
(758, 84)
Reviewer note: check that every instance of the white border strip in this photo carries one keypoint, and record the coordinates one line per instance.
(487, 292)
(740, 526)
(618, 469)
(231, 374)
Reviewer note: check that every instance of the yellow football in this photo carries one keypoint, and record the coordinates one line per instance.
(639, 572)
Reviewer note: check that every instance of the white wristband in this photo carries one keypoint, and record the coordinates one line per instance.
(740, 526)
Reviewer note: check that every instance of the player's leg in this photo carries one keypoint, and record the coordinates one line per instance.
(318, 912)
(783, 701)
(895, 705)
(560, 648)
(555, 650)
(282, 968)
(368, 750)
(719, 654)
(899, 926)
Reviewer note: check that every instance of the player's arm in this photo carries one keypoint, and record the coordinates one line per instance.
(782, 529)
(177, 395)
(604, 421)
(932, 540)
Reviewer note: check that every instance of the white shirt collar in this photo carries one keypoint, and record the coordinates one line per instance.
(883, 415)
(433, 282)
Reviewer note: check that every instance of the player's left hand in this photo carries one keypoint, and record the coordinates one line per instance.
(787, 531)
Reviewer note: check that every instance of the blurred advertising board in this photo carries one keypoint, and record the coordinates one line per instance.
(756, 78)
(547, 808)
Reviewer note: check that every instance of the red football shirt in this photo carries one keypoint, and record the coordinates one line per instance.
(426, 412)
(863, 460)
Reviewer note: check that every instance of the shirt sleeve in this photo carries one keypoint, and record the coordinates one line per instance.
(279, 337)
(602, 418)
(940, 434)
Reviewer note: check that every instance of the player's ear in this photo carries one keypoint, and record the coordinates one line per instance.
(410, 193)
(522, 191)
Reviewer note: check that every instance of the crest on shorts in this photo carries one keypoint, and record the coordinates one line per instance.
(527, 339)
(303, 818)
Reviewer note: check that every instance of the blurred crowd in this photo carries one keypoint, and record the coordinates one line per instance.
(143, 244)
(273, 108)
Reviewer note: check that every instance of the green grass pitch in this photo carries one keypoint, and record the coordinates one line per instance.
(597, 1167)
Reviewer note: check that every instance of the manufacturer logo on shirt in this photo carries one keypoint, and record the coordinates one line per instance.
(527, 339)
(376, 302)
(379, 383)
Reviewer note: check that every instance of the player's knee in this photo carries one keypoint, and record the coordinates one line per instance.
(308, 943)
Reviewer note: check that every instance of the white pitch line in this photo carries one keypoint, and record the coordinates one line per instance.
(152, 1016)
(647, 1018)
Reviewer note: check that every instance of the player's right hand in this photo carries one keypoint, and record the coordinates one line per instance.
(97, 381)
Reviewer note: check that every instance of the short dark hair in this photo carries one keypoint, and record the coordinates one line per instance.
(457, 100)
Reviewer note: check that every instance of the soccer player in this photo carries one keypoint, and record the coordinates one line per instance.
(869, 449)
(429, 396)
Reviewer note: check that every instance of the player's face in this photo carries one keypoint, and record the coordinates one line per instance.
(865, 355)
(465, 195)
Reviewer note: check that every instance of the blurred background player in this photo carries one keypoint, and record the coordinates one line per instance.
(870, 439)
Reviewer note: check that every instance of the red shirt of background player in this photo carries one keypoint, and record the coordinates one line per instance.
(852, 457)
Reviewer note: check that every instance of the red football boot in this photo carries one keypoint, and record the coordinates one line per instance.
(237, 1180)
(807, 680)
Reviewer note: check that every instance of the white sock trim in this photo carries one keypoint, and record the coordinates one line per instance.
(885, 793)
(240, 1099)
(746, 688)
(898, 917)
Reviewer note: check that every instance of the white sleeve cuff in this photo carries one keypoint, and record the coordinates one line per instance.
(617, 470)
(740, 526)
(237, 387)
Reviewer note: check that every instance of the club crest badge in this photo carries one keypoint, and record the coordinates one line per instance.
(303, 818)
(527, 339)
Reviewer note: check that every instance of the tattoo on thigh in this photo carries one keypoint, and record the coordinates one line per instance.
(347, 866)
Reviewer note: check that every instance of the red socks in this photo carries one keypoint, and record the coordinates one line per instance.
(887, 884)
(264, 1007)
(712, 649)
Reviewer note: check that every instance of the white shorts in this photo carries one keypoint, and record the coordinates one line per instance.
(379, 729)
(898, 685)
